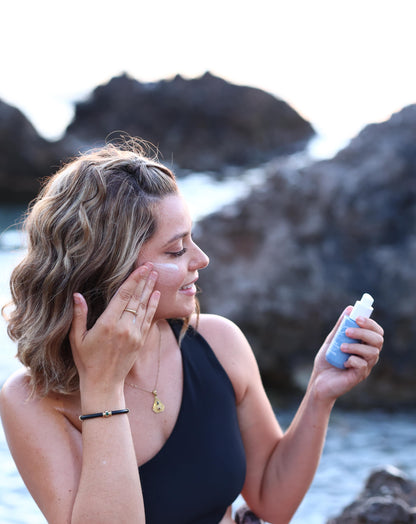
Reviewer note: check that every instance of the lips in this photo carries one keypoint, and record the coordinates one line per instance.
(191, 285)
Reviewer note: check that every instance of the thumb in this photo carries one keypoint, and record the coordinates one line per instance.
(79, 319)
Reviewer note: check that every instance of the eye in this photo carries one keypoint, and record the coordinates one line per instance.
(177, 253)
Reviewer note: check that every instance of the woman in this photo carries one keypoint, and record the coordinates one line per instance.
(110, 263)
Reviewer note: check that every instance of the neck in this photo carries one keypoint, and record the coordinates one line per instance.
(147, 358)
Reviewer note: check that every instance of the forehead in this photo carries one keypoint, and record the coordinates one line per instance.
(172, 217)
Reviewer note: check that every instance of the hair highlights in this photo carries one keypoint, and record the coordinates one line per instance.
(85, 231)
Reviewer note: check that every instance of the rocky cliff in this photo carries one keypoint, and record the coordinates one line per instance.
(286, 260)
(199, 124)
(388, 497)
(23, 156)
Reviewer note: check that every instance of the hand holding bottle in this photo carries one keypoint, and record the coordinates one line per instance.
(362, 308)
(354, 347)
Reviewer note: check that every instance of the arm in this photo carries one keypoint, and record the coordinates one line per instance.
(109, 488)
(281, 466)
(89, 476)
(296, 457)
(45, 446)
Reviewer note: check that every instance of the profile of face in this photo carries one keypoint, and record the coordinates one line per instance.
(175, 257)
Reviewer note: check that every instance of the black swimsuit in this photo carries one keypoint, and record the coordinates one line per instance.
(201, 468)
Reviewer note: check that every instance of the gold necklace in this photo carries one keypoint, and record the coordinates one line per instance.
(158, 406)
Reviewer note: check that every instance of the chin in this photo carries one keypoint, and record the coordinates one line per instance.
(180, 311)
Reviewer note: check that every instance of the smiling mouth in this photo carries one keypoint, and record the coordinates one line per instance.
(191, 285)
(188, 286)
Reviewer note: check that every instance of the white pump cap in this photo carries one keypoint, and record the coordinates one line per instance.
(362, 308)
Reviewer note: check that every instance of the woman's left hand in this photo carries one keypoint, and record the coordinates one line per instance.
(330, 382)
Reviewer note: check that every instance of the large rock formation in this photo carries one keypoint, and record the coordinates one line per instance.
(286, 260)
(23, 156)
(389, 497)
(199, 124)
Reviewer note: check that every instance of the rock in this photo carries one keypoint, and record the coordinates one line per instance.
(200, 124)
(286, 260)
(389, 497)
(244, 515)
(22, 156)
(25, 157)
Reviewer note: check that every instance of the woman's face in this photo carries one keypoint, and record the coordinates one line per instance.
(175, 257)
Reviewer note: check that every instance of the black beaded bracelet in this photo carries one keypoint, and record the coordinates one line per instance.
(104, 414)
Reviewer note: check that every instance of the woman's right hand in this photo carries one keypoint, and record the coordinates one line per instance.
(105, 353)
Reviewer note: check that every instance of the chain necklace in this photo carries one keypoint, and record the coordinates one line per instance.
(158, 406)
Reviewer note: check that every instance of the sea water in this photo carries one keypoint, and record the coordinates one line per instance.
(356, 444)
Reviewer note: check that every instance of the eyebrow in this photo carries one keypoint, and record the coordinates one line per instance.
(178, 236)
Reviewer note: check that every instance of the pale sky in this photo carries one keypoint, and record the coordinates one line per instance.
(340, 63)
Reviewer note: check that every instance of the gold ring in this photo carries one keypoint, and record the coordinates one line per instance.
(131, 311)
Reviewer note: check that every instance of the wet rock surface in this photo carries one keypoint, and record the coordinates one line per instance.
(389, 497)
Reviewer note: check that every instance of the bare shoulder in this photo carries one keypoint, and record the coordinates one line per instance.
(18, 409)
(16, 398)
(23, 413)
(43, 442)
(231, 348)
(216, 327)
(224, 336)
(15, 391)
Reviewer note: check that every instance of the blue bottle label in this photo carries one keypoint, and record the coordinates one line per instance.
(334, 355)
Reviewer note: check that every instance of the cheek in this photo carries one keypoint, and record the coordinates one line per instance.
(169, 277)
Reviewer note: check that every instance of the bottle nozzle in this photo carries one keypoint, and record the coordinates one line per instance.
(363, 307)
(367, 300)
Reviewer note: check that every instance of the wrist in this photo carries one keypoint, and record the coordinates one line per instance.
(320, 398)
(98, 399)
(103, 414)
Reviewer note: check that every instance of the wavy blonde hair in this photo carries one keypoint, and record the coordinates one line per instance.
(85, 231)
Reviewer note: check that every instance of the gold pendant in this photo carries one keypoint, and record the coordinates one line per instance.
(158, 406)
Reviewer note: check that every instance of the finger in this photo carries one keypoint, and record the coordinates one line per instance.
(149, 314)
(362, 350)
(132, 285)
(359, 364)
(139, 301)
(371, 324)
(79, 319)
(366, 336)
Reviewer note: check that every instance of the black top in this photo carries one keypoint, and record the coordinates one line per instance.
(200, 470)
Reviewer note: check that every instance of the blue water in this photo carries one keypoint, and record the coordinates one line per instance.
(356, 444)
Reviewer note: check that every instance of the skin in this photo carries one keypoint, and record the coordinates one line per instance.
(87, 476)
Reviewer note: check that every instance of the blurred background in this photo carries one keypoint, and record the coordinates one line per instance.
(291, 127)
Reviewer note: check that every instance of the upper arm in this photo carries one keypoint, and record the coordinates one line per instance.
(45, 446)
(259, 427)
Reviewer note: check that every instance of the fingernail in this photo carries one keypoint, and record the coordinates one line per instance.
(77, 298)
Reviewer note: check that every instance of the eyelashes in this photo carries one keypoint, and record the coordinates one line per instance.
(178, 253)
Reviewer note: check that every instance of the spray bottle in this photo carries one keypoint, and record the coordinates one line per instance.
(362, 308)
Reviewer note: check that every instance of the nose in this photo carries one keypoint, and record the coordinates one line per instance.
(199, 259)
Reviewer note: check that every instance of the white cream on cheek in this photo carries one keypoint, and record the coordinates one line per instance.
(169, 274)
